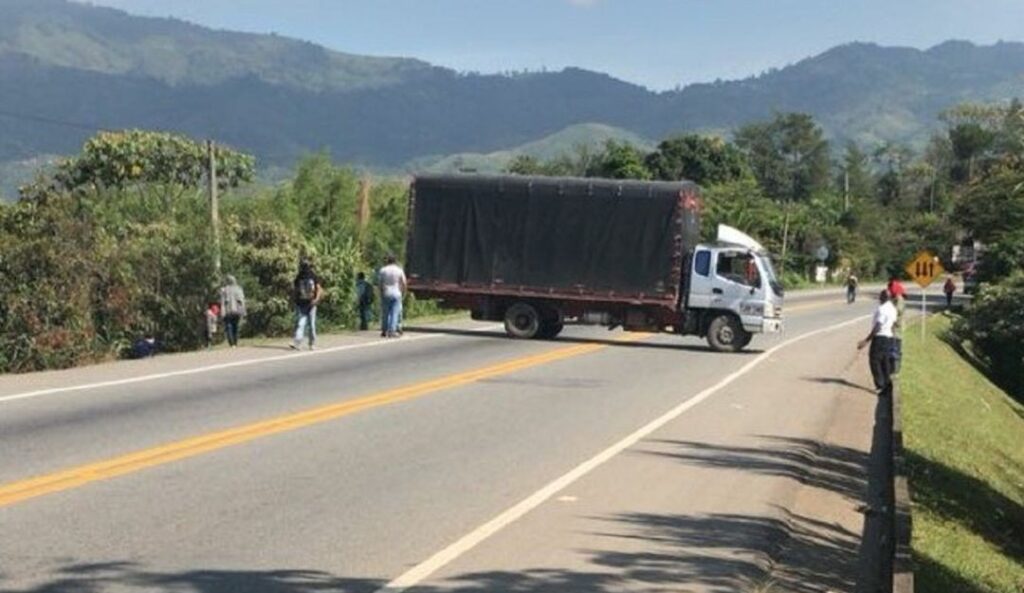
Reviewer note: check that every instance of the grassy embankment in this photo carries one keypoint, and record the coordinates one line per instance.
(965, 451)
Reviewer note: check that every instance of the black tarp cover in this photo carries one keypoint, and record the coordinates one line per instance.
(593, 236)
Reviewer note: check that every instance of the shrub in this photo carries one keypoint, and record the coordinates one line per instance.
(994, 326)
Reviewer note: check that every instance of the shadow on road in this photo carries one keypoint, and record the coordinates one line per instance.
(128, 576)
(839, 381)
(809, 462)
(576, 340)
(716, 552)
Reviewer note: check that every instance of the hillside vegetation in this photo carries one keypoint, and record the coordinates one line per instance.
(577, 137)
(280, 98)
(966, 465)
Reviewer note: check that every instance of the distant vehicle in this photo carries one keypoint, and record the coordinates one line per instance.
(537, 252)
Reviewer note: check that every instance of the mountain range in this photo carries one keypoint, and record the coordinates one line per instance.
(68, 69)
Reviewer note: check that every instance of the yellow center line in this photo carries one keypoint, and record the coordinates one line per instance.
(75, 477)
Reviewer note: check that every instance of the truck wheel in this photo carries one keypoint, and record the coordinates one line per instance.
(550, 330)
(522, 321)
(726, 335)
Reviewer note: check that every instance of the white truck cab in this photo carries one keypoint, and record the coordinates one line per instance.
(733, 290)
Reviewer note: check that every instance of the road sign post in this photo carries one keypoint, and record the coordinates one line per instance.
(924, 269)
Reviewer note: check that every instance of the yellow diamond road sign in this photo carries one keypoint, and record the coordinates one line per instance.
(925, 268)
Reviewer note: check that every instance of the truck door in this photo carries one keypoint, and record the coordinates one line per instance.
(701, 279)
(737, 280)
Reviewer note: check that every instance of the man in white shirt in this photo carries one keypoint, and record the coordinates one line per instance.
(881, 338)
(392, 287)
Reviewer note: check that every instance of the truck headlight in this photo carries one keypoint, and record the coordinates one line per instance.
(752, 309)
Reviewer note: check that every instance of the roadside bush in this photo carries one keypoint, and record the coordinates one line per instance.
(994, 326)
(47, 275)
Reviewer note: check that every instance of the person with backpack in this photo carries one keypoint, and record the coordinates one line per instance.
(364, 301)
(307, 294)
(232, 308)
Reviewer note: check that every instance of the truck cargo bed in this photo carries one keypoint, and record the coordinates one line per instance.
(592, 239)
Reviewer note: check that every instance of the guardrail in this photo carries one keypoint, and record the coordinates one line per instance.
(900, 520)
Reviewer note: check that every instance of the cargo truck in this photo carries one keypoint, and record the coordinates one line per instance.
(539, 252)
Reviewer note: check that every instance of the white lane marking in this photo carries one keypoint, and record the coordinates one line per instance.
(226, 365)
(421, 571)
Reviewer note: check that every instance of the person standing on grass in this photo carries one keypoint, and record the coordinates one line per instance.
(392, 287)
(232, 308)
(949, 288)
(364, 301)
(880, 339)
(307, 295)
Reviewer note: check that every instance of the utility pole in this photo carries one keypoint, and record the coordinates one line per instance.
(846, 189)
(214, 208)
(363, 206)
(931, 194)
(785, 240)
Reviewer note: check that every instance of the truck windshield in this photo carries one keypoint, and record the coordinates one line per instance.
(769, 272)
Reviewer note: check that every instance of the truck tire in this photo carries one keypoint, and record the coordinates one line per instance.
(522, 321)
(725, 334)
(550, 329)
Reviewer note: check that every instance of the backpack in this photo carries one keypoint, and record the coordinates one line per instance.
(233, 301)
(305, 289)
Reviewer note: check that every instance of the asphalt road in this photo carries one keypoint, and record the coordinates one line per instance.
(450, 460)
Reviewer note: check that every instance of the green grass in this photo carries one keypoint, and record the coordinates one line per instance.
(965, 453)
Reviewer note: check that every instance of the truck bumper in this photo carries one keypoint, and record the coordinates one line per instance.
(771, 326)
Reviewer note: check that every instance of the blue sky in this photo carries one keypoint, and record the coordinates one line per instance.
(656, 43)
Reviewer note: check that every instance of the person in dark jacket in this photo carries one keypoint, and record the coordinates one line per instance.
(364, 301)
(307, 294)
(948, 289)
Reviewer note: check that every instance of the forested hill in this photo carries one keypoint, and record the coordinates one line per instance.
(279, 97)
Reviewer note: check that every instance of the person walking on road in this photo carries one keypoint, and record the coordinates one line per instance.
(364, 301)
(307, 295)
(851, 288)
(392, 287)
(232, 308)
(880, 339)
(949, 288)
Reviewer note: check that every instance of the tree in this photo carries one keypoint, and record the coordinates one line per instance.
(705, 160)
(325, 196)
(993, 207)
(855, 177)
(525, 164)
(788, 155)
(969, 141)
(620, 160)
(121, 159)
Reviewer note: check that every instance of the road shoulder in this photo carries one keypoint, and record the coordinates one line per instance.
(762, 487)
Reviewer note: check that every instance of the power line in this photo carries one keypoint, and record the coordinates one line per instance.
(51, 120)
